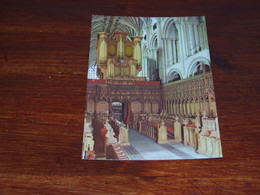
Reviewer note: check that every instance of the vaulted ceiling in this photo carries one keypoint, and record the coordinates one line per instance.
(132, 25)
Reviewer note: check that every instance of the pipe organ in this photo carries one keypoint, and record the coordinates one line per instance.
(118, 57)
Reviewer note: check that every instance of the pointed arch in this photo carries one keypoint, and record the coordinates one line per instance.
(195, 63)
(173, 74)
(154, 41)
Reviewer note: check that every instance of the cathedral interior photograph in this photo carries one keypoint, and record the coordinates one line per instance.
(150, 92)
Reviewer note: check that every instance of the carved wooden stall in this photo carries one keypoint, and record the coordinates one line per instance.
(190, 96)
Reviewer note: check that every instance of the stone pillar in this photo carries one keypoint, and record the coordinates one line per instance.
(173, 51)
(164, 61)
(186, 40)
(195, 28)
(200, 36)
(192, 48)
(181, 40)
(177, 50)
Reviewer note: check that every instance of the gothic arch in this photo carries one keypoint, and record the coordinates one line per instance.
(145, 49)
(154, 41)
(171, 33)
(176, 71)
(169, 22)
(194, 64)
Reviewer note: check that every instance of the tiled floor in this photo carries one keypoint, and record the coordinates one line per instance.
(144, 148)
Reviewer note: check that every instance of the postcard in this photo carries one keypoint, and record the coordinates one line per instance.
(150, 93)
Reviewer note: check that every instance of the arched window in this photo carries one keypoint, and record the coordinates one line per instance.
(173, 44)
(154, 26)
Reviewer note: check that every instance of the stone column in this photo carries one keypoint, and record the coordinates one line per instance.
(173, 51)
(165, 61)
(192, 47)
(186, 40)
(195, 28)
(181, 40)
(169, 53)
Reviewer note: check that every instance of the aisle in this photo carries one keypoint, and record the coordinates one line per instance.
(144, 148)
